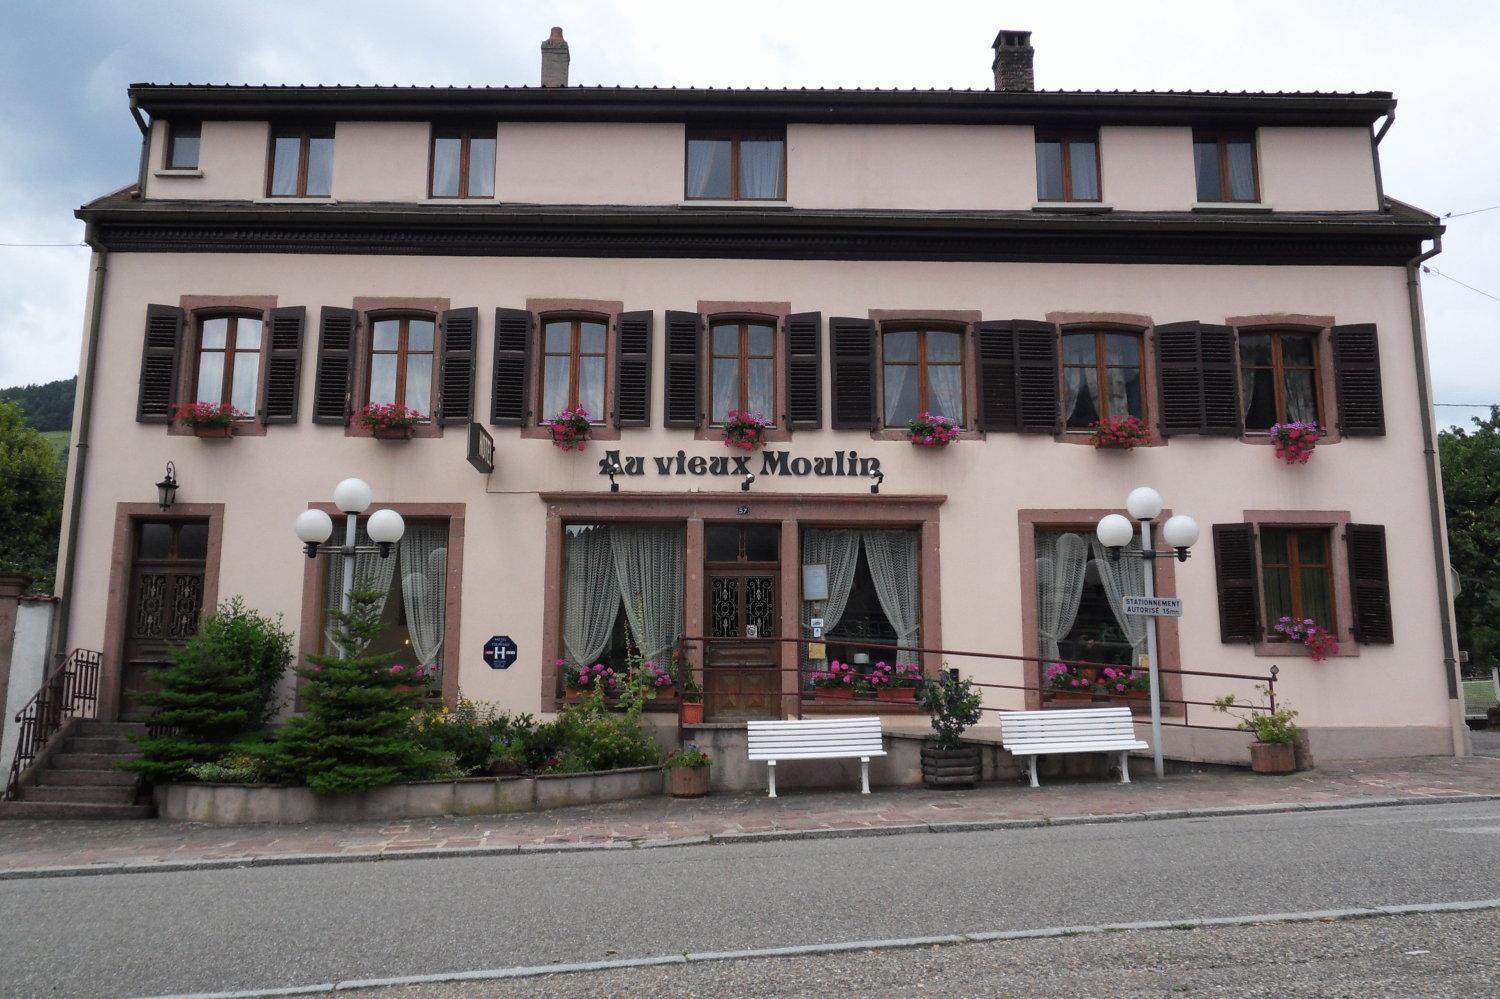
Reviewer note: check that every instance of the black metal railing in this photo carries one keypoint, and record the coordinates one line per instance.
(71, 691)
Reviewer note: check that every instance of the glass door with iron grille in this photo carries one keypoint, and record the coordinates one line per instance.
(742, 571)
(166, 601)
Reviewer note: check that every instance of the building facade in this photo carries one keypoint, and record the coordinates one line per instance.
(840, 262)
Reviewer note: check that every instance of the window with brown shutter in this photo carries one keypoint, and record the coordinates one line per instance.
(331, 388)
(1279, 380)
(851, 348)
(160, 348)
(1369, 581)
(922, 371)
(1198, 380)
(1296, 577)
(1356, 375)
(400, 368)
(683, 406)
(804, 378)
(1234, 569)
(633, 336)
(1018, 376)
(510, 384)
(459, 338)
(284, 366)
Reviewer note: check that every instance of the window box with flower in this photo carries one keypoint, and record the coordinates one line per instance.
(579, 681)
(1119, 433)
(208, 419)
(1310, 633)
(745, 430)
(896, 682)
(655, 678)
(929, 430)
(838, 682)
(570, 428)
(1294, 442)
(1124, 685)
(389, 421)
(1069, 683)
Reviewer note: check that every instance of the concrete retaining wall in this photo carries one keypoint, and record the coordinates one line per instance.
(243, 804)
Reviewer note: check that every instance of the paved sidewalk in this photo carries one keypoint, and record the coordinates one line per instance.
(27, 845)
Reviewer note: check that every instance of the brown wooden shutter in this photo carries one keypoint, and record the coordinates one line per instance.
(851, 348)
(460, 342)
(1198, 379)
(1369, 583)
(510, 387)
(1234, 566)
(1356, 374)
(1037, 377)
(160, 349)
(999, 400)
(284, 367)
(804, 371)
(683, 396)
(333, 387)
(633, 369)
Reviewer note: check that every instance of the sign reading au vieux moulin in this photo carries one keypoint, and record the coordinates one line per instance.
(840, 463)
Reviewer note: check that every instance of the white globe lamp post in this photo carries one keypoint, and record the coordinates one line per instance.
(353, 497)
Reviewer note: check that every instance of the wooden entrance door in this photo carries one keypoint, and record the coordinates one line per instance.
(741, 678)
(166, 601)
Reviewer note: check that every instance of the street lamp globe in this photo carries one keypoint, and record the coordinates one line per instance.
(352, 496)
(1114, 531)
(1144, 503)
(1181, 531)
(314, 527)
(385, 529)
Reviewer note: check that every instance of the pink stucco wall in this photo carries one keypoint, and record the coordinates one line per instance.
(1317, 169)
(266, 481)
(568, 163)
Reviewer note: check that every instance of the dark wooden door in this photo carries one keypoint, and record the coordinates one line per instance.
(741, 678)
(166, 601)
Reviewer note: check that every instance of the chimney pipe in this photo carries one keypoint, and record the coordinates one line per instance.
(1012, 65)
(555, 60)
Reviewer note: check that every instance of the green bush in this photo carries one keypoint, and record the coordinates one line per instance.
(220, 687)
(954, 704)
(238, 767)
(586, 736)
(474, 732)
(1268, 725)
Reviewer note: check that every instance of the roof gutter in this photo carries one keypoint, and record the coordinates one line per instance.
(1436, 517)
(1390, 119)
(145, 127)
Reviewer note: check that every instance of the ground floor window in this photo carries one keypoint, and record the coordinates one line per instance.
(622, 592)
(873, 586)
(414, 581)
(1297, 575)
(1080, 600)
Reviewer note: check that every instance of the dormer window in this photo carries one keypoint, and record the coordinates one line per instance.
(301, 162)
(463, 162)
(182, 145)
(1224, 163)
(736, 165)
(1067, 166)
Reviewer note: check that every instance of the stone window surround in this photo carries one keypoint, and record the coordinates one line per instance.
(315, 588)
(1113, 322)
(1338, 558)
(964, 321)
(543, 309)
(117, 601)
(776, 312)
(792, 511)
(369, 309)
(1327, 386)
(197, 308)
(1084, 522)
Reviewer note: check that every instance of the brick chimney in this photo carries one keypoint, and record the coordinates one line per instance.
(555, 60)
(1012, 65)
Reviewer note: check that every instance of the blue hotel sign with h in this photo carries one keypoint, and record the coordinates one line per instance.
(500, 652)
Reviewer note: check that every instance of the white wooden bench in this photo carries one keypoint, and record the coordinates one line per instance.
(820, 739)
(1082, 730)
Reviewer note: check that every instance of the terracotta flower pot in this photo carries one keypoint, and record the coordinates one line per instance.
(1273, 757)
(1133, 697)
(391, 433)
(1072, 695)
(1115, 445)
(687, 782)
(836, 693)
(904, 694)
(214, 432)
(692, 714)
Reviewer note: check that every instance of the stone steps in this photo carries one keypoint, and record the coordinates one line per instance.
(27, 809)
(81, 793)
(95, 778)
(82, 779)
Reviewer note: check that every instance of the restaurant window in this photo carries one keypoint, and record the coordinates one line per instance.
(463, 162)
(622, 593)
(573, 366)
(1080, 596)
(411, 588)
(182, 145)
(1067, 166)
(1278, 378)
(736, 165)
(1297, 576)
(874, 594)
(228, 371)
(922, 372)
(1224, 163)
(401, 351)
(301, 163)
(743, 368)
(1101, 377)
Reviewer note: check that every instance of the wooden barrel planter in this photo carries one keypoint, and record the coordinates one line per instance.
(687, 782)
(950, 768)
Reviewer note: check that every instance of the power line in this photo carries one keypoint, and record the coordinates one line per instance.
(1476, 211)
(1467, 405)
(1477, 291)
(79, 243)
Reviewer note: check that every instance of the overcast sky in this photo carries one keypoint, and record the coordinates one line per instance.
(68, 135)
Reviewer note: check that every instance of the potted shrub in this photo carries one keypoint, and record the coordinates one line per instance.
(745, 430)
(207, 419)
(388, 421)
(1119, 433)
(1294, 442)
(1274, 749)
(1069, 683)
(657, 679)
(898, 682)
(837, 682)
(687, 772)
(928, 430)
(1323, 642)
(947, 761)
(690, 707)
(570, 428)
(1124, 685)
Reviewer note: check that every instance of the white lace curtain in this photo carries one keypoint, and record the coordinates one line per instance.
(648, 571)
(1061, 563)
(838, 552)
(893, 560)
(424, 575)
(760, 169)
(1123, 579)
(371, 572)
(591, 594)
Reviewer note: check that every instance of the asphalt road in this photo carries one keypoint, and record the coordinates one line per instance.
(150, 934)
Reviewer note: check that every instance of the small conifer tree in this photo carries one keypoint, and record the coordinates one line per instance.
(356, 732)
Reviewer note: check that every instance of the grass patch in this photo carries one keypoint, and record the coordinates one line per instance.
(59, 439)
(1479, 692)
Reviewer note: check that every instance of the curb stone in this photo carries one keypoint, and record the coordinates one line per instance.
(717, 839)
